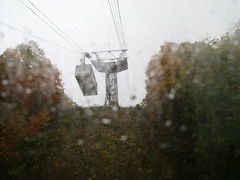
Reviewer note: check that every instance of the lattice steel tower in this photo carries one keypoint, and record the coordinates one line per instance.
(111, 63)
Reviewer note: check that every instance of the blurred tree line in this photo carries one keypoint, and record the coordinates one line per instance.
(30, 90)
(187, 127)
(193, 105)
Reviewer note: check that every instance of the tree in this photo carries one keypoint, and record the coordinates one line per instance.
(28, 79)
(193, 100)
(30, 90)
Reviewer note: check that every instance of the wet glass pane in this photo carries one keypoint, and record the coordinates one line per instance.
(119, 89)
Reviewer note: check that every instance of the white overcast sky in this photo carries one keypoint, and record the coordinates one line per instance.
(147, 25)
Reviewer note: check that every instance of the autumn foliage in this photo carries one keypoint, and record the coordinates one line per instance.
(193, 101)
(30, 90)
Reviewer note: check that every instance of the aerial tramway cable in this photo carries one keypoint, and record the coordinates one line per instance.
(36, 37)
(117, 18)
(53, 26)
(112, 10)
(120, 18)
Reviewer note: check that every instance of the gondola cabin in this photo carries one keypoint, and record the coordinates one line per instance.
(86, 79)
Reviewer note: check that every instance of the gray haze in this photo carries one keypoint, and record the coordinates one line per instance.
(147, 25)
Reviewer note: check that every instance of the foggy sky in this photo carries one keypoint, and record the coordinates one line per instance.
(147, 25)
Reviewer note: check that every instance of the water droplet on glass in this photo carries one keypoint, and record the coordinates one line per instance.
(20, 88)
(89, 112)
(53, 109)
(168, 123)
(152, 74)
(5, 82)
(163, 145)
(88, 101)
(123, 138)
(196, 81)
(1, 35)
(26, 139)
(3, 94)
(31, 153)
(197, 50)
(230, 56)
(115, 108)
(80, 142)
(28, 91)
(106, 121)
(133, 97)
(236, 43)
(171, 95)
(174, 48)
(9, 64)
(183, 128)
(214, 45)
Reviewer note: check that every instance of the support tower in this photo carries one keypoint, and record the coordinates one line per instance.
(111, 63)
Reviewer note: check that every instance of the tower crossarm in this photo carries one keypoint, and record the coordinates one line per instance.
(110, 55)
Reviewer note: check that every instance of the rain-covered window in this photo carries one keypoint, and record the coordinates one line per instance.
(119, 89)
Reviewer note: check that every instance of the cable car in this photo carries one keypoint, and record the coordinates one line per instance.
(86, 79)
